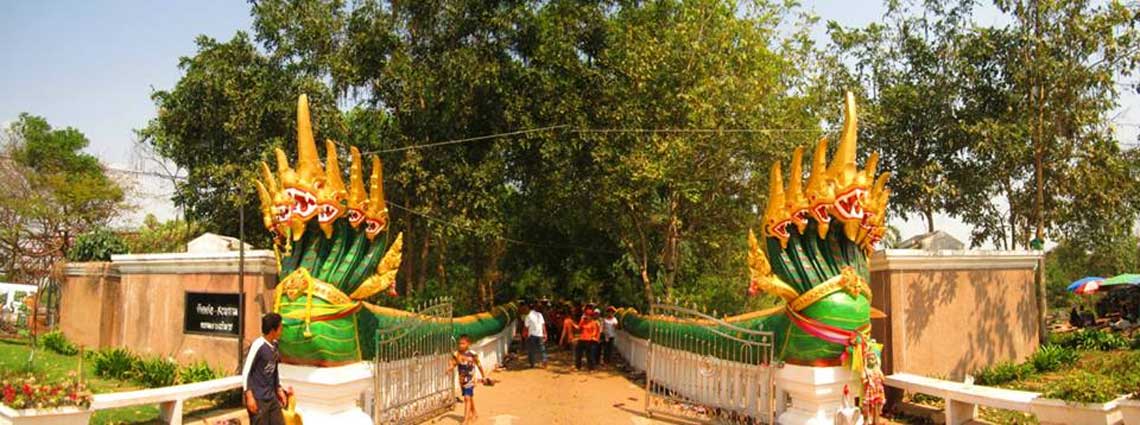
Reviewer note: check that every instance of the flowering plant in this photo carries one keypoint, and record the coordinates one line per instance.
(27, 393)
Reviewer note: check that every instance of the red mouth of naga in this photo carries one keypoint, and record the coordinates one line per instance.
(355, 216)
(373, 226)
(328, 212)
(801, 216)
(849, 206)
(304, 203)
(281, 213)
(819, 212)
(780, 229)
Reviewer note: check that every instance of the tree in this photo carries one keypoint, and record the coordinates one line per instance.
(669, 194)
(626, 215)
(980, 99)
(169, 236)
(907, 67)
(227, 113)
(50, 193)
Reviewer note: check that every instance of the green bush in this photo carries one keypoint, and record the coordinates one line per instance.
(156, 372)
(1053, 357)
(1003, 372)
(1084, 387)
(196, 372)
(96, 245)
(116, 363)
(55, 341)
(1090, 339)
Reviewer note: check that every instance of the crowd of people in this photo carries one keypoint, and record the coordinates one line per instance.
(580, 328)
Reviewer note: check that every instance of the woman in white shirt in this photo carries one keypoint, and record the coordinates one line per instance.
(609, 333)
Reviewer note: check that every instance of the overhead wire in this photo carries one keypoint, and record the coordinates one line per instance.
(502, 238)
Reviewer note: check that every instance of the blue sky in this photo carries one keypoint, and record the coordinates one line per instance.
(93, 66)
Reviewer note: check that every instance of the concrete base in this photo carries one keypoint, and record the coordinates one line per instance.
(1058, 412)
(330, 395)
(1130, 410)
(816, 393)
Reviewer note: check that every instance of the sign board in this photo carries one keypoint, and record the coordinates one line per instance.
(212, 314)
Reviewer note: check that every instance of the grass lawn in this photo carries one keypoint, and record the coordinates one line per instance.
(51, 366)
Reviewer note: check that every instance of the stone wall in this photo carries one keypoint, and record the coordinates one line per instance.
(137, 302)
(952, 312)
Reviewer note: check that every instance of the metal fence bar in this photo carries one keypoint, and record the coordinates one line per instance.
(411, 381)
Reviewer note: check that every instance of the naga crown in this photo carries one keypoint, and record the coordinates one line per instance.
(838, 190)
(310, 191)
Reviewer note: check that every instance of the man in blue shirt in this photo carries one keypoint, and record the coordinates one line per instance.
(263, 393)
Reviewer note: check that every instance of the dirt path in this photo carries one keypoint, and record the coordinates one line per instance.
(557, 395)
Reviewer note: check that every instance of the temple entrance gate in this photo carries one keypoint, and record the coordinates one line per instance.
(699, 365)
(411, 381)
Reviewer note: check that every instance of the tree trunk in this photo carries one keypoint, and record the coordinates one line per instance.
(441, 267)
(640, 251)
(669, 254)
(421, 276)
(408, 263)
(929, 214)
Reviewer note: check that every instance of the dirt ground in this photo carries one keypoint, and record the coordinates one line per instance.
(558, 395)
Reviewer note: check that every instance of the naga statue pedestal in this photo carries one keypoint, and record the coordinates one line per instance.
(329, 395)
(816, 393)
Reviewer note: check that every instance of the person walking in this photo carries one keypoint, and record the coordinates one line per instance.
(261, 384)
(609, 334)
(566, 340)
(467, 362)
(588, 341)
(535, 326)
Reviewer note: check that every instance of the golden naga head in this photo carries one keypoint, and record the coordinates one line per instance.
(311, 191)
(357, 197)
(376, 214)
(795, 201)
(837, 189)
(820, 193)
(776, 216)
(850, 183)
(330, 197)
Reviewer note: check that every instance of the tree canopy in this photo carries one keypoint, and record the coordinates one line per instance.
(50, 193)
(631, 139)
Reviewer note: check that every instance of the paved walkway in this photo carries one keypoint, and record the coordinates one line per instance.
(558, 395)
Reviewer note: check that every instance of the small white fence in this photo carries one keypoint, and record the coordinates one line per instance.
(705, 380)
(404, 384)
(169, 399)
(962, 401)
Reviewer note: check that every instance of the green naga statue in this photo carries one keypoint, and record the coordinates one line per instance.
(813, 255)
(329, 269)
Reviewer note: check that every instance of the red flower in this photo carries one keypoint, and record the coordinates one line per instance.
(27, 389)
(73, 396)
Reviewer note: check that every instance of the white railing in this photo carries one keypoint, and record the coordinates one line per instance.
(962, 401)
(491, 350)
(702, 379)
(169, 399)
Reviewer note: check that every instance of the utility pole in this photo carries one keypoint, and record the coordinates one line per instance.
(241, 280)
(1037, 93)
